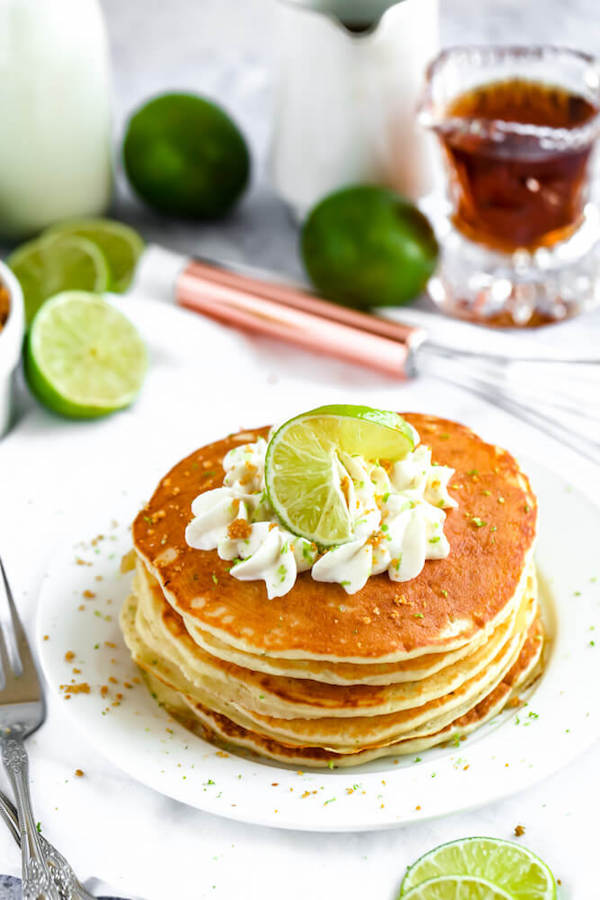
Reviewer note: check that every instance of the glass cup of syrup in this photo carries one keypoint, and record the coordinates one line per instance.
(520, 231)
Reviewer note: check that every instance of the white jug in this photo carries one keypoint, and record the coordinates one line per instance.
(55, 154)
(350, 75)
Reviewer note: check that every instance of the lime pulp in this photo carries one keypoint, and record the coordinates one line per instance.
(506, 864)
(457, 887)
(83, 357)
(52, 264)
(120, 244)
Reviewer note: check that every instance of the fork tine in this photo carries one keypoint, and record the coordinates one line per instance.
(24, 659)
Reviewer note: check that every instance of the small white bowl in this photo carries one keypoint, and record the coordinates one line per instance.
(11, 344)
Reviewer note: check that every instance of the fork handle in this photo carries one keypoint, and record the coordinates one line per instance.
(37, 883)
(61, 872)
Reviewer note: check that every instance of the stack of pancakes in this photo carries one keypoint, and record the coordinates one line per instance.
(319, 676)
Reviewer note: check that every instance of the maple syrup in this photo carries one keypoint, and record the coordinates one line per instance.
(510, 188)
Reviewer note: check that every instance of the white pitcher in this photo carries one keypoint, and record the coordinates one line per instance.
(350, 74)
(55, 154)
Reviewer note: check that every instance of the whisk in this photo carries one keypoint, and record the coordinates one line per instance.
(532, 390)
(547, 394)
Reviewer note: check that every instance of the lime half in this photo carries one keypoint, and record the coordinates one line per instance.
(120, 245)
(83, 357)
(457, 887)
(302, 465)
(512, 867)
(52, 264)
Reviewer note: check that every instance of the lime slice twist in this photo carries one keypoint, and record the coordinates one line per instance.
(83, 357)
(302, 465)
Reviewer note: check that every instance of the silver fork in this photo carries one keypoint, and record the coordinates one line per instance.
(63, 875)
(22, 711)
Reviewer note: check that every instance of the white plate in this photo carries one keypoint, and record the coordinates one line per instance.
(561, 720)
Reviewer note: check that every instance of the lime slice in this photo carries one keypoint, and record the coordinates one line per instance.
(119, 243)
(302, 465)
(511, 866)
(83, 357)
(457, 887)
(52, 264)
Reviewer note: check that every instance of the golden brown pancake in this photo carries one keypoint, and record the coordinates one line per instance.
(414, 668)
(162, 629)
(342, 735)
(491, 536)
(217, 728)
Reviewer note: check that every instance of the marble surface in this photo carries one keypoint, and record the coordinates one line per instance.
(224, 48)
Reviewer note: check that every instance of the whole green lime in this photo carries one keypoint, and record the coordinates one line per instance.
(184, 156)
(367, 246)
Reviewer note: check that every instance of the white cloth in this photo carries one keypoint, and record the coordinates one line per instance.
(205, 381)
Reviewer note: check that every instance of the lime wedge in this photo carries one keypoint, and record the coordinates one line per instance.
(510, 866)
(457, 887)
(119, 243)
(52, 264)
(302, 465)
(83, 357)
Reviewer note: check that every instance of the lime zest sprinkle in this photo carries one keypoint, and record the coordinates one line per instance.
(479, 523)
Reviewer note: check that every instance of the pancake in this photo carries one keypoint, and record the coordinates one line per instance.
(342, 735)
(318, 675)
(412, 669)
(221, 731)
(440, 610)
(347, 733)
(163, 631)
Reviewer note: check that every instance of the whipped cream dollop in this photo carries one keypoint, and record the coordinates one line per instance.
(397, 514)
